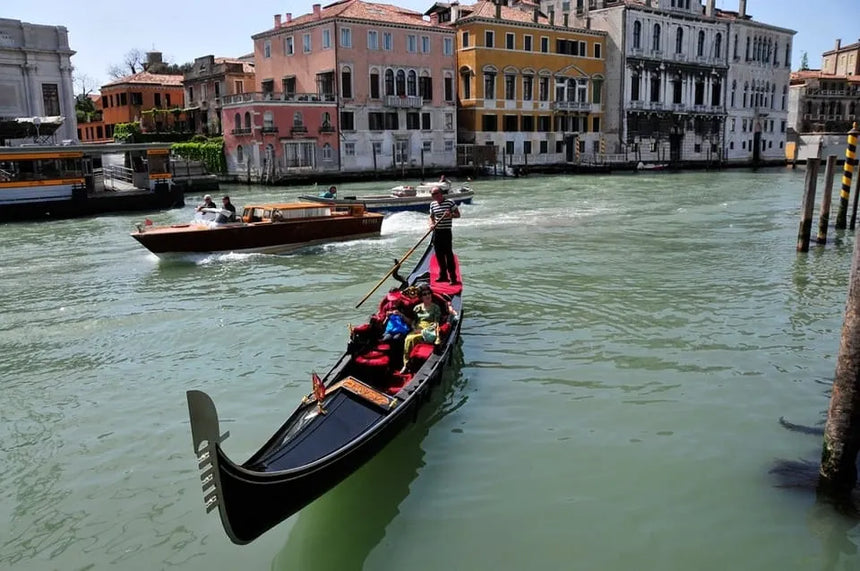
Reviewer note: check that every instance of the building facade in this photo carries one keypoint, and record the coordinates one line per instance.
(36, 75)
(822, 102)
(353, 86)
(758, 80)
(529, 88)
(207, 84)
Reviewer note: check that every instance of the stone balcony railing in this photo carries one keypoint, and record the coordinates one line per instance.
(571, 106)
(404, 101)
(278, 97)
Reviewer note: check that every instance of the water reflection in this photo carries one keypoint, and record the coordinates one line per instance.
(340, 529)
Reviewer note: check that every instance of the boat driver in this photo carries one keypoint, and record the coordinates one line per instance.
(228, 211)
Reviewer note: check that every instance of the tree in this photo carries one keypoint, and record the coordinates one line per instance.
(133, 62)
(804, 61)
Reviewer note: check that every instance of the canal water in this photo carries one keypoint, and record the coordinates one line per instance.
(630, 343)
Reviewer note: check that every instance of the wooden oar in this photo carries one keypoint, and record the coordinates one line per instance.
(397, 264)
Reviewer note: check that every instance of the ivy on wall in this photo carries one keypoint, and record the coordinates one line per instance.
(208, 151)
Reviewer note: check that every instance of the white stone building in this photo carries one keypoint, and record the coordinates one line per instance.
(36, 76)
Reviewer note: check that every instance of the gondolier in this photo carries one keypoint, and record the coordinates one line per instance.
(442, 211)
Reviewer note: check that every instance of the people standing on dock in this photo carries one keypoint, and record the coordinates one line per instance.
(228, 211)
(207, 203)
(442, 211)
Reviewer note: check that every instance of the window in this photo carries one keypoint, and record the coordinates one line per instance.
(718, 46)
(489, 38)
(346, 37)
(267, 49)
(347, 121)
(289, 46)
(528, 80)
(510, 87)
(372, 43)
(509, 41)
(700, 45)
(374, 84)
(527, 147)
(299, 154)
(268, 121)
(376, 121)
(387, 41)
(389, 82)
(400, 83)
(528, 123)
(527, 43)
(326, 39)
(298, 120)
(247, 121)
(467, 84)
(425, 121)
(489, 85)
(449, 121)
(655, 38)
(237, 122)
(634, 88)
(349, 149)
(327, 154)
(425, 87)
(306, 43)
(595, 124)
(543, 148)
(50, 99)
(509, 147)
(240, 154)
(544, 44)
(637, 35)
(412, 120)
(346, 82)
(489, 123)
(448, 46)
(136, 98)
(449, 88)
(679, 40)
(427, 146)
(511, 123)
(655, 88)
(465, 39)
(288, 84)
(411, 43)
(425, 44)
(449, 146)
(598, 53)
(543, 89)
(412, 83)
(597, 91)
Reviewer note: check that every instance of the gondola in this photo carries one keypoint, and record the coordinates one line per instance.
(364, 401)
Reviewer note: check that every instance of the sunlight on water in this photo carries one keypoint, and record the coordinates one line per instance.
(630, 343)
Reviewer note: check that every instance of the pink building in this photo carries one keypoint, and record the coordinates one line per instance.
(353, 86)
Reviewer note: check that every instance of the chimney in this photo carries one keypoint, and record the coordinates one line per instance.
(317, 11)
(742, 9)
(551, 16)
(566, 16)
(434, 18)
(838, 43)
(535, 14)
(709, 9)
(289, 17)
(498, 9)
(647, 3)
(277, 20)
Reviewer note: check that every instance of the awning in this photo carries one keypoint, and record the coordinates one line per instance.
(24, 127)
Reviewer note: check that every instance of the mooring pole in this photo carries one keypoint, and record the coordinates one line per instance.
(808, 203)
(842, 432)
(854, 206)
(824, 213)
(847, 174)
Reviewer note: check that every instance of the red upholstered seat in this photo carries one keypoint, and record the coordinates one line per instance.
(421, 351)
(400, 380)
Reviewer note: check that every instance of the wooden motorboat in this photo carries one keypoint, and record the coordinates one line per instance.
(401, 198)
(369, 395)
(265, 228)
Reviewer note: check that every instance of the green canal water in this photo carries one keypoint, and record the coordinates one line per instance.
(630, 343)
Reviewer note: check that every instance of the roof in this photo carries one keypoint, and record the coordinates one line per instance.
(247, 67)
(818, 74)
(487, 9)
(146, 78)
(359, 10)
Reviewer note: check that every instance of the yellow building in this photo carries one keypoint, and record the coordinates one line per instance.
(528, 85)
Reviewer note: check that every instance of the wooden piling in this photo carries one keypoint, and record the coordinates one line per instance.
(824, 213)
(847, 174)
(808, 203)
(838, 472)
(854, 207)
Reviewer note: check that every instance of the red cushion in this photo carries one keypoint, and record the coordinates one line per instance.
(421, 351)
(373, 359)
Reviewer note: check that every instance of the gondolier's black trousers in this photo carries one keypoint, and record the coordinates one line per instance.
(442, 245)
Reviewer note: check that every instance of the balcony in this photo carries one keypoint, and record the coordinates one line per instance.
(269, 129)
(278, 97)
(571, 106)
(298, 130)
(241, 131)
(326, 129)
(404, 101)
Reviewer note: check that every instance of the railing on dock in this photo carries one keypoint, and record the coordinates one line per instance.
(118, 177)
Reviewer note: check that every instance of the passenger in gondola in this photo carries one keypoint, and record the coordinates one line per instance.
(426, 325)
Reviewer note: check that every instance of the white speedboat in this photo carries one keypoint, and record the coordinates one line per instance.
(402, 197)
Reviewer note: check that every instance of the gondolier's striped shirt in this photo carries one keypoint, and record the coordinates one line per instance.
(438, 209)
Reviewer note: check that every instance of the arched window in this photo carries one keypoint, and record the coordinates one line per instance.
(389, 82)
(298, 120)
(679, 40)
(240, 154)
(237, 122)
(346, 82)
(700, 46)
(718, 46)
(655, 38)
(247, 121)
(637, 35)
(327, 152)
(466, 82)
(401, 82)
(326, 120)
(412, 83)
